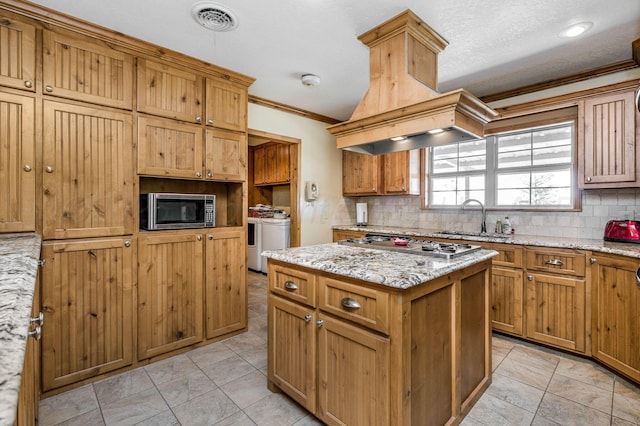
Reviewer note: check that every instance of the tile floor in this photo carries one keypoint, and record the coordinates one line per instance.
(225, 384)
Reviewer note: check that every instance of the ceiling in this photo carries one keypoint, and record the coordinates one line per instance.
(494, 45)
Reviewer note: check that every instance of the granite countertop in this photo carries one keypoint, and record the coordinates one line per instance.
(19, 255)
(624, 249)
(393, 269)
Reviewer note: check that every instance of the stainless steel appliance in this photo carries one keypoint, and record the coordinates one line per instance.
(177, 211)
(411, 246)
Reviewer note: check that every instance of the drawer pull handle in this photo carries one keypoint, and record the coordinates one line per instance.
(638, 277)
(555, 262)
(307, 318)
(290, 285)
(350, 303)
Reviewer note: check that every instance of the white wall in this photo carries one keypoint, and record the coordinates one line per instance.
(321, 162)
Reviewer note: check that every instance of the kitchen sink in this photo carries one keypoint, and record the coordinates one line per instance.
(475, 234)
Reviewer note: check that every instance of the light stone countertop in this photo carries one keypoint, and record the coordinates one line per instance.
(19, 255)
(624, 249)
(400, 270)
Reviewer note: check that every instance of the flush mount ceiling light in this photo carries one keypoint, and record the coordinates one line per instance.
(214, 16)
(310, 80)
(576, 29)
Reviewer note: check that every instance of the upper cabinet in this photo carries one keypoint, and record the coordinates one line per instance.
(397, 173)
(169, 92)
(226, 105)
(87, 70)
(17, 54)
(225, 155)
(607, 155)
(271, 164)
(17, 163)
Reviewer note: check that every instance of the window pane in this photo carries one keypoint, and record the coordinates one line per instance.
(478, 195)
(553, 155)
(445, 151)
(559, 178)
(553, 137)
(443, 184)
(476, 182)
(513, 197)
(444, 198)
(445, 166)
(473, 148)
(551, 196)
(470, 164)
(517, 142)
(514, 159)
(514, 180)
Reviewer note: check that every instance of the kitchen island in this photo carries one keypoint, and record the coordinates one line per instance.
(371, 337)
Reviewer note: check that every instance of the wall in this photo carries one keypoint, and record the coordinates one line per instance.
(321, 162)
(598, 206)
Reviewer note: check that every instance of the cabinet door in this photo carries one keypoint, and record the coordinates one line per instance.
(86, 69)
(87, 301)
(17, 54)
(226, 155)
(88, 173)
(507, 300)
(17, 163)
(169, 92)
(609, 140)
(616, 305)
(339, 234)
(259, 159)
(292, 350)
(283, 169)
(402, 172)
(352, 358)
(168, 148)
(169, 292)
(226, 282)
(226, 105)
(556, 311)
(29, 395)
(360, 173)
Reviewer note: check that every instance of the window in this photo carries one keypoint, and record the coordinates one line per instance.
(526, 169)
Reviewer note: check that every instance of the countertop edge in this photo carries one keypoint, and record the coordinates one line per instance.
(19, 256)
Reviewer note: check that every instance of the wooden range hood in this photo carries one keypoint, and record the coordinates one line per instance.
(402, 109)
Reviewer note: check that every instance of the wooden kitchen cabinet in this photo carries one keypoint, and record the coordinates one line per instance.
(340, 234)
(170, 292)
(397, 173)
(169, 91)
(616, 303)
(225, 155)
(17, 54)
(167, 148)
(77, 67)
(226, 105)
(88, 179)
(87, 301)
(271, 164)
(507, 299)
(608, 157)
(17, 163)
(225, 282)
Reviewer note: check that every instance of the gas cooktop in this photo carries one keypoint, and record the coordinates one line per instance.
(411, 246)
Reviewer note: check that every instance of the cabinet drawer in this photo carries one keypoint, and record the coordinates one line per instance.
(293, 284)
(557, 261)
(507, 255)
(361, 305)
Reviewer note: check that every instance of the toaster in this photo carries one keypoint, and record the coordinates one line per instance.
(625, 231)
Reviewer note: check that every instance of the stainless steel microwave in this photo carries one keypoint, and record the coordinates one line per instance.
(177, 211)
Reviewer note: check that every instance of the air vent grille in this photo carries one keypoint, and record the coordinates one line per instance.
(214, 16)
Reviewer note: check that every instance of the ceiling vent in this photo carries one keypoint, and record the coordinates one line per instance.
(214, 16)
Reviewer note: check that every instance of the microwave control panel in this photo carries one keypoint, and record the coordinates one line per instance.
(210, 213)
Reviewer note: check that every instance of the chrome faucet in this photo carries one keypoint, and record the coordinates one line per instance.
(483, 225)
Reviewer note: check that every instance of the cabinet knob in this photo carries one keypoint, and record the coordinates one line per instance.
(199, 174)
(529, 277)
(198, 119)
(210, 121)
(199, 238)
(27, 168)
(588, 179)
(28, 84)
(307, 318)
(210, 237)
(48, 88)
(319, 323)
(209, 174)
(593, 260)
(36, 333)
(39, 319)
(127, 243)
(49, 169)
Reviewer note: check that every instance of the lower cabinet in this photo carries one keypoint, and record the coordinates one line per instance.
(616, 307)
(170, 289)
(87, 301)
(507, 299)
(29, 395)
(225, 282)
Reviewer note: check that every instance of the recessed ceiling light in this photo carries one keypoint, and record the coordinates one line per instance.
(576, 29)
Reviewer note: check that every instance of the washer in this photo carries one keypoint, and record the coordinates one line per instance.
(275, 236)
(254, 243)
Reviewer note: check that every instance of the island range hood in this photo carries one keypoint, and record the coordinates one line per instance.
(402, 110)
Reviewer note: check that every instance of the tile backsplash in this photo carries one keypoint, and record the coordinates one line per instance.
(598, 206)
